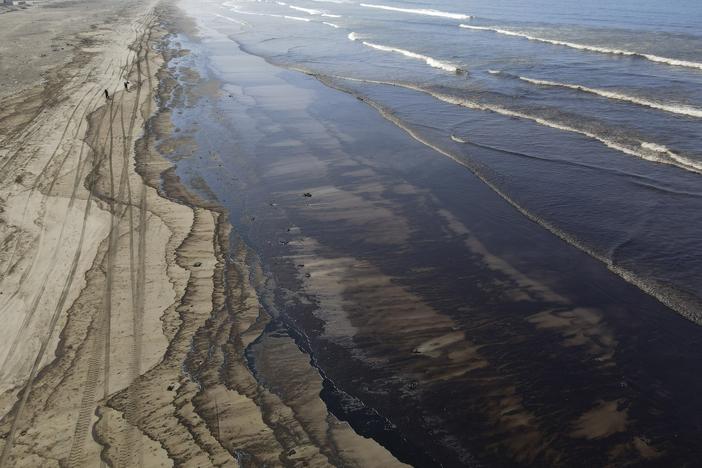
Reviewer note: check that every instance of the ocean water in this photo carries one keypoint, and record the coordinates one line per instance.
(499, 261)
(585, 116)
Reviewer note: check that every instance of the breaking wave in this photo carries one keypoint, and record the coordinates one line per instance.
(432, 62)
(644, 150)
(312, 11)
(672, 108)
(270, 15)
(419, 11)
(590, 48)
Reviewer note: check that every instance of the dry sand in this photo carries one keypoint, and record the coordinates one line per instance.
(124, 324)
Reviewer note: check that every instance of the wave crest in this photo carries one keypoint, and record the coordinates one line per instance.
(645, 150)
(419, 11)
(590, 48)
(432, 62)
(672, 108)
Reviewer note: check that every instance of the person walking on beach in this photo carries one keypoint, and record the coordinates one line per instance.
(126, 85)
(107, 95)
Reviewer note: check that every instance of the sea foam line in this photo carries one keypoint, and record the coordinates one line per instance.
(419, 11)
(590, 48)
(646, 150)
(297, 18)
(271, 15)
(312, 11)
(432, 62)
(672, 108)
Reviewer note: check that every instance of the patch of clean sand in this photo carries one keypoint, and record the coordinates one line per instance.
(605, 419)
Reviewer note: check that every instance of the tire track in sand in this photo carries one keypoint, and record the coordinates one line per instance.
(19, 407)
(100, 335)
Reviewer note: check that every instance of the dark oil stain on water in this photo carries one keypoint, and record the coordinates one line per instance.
(447, 325)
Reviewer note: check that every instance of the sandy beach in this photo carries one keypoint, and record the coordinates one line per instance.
(115, 277)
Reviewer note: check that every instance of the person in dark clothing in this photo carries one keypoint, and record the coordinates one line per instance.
(107, 95)
(126, 85)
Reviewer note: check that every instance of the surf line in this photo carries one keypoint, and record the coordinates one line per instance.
(589, 48)
(419, 11)
(271, 15)
(645, 150)
(310, 11)
(680, 109)
(431, 61)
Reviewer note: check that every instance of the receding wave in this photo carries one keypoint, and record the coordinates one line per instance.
(432, 62)
(335, 26)
(419, 11)
(644, 150)
(590, 48)
(672, 108)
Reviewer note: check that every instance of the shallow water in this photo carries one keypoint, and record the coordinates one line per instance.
(422, 274)
(613, 88)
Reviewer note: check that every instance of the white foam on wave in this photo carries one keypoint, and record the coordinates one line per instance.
(419, 11)
(432, 62)
(589, 48)
(309, 11)
(296, 18)
(681, 160)
(335, 26)
(672, 108)
(270, 15)
(648, 151)
(312, 11)
(352, 36)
